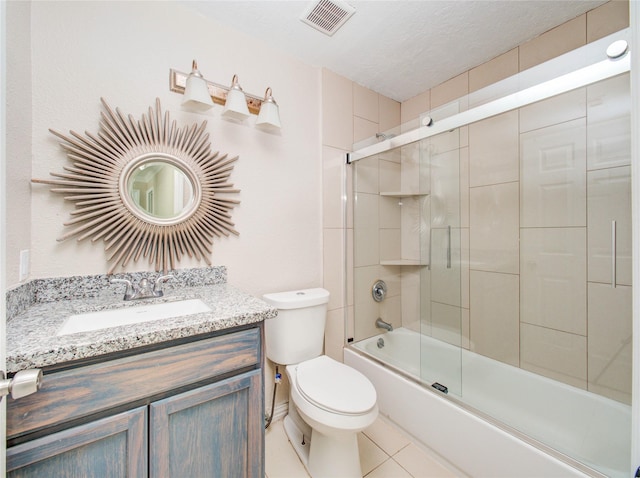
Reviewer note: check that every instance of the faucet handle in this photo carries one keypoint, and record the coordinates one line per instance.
(128, 294)
(158, 282)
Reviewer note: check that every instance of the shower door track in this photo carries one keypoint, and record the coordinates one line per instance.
(570, 81)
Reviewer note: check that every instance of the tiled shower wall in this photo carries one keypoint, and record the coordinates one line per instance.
(352, 113)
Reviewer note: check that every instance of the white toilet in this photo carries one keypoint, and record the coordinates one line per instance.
(329, 402)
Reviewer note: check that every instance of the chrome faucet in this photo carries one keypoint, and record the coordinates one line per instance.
(144, 289)
(381, 324)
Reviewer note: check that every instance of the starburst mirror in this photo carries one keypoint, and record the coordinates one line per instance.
(147, 188)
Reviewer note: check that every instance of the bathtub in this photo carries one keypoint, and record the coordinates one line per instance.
(553, 429)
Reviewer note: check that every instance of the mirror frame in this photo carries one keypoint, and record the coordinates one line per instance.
(97, 184)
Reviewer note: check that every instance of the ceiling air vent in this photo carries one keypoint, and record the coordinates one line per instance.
(327, 16)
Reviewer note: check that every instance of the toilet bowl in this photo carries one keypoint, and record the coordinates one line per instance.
(329, 402)
(335, 402)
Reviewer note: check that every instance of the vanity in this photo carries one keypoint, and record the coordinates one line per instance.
(181, 396)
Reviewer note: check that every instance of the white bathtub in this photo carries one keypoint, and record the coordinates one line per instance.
(589, 429)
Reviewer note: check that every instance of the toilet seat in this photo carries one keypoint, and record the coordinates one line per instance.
(335, 387)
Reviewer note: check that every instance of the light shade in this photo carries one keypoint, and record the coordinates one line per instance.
(236, 105)
(196, 92)
(269, 115)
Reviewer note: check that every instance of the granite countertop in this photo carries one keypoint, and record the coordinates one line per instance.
(31, 334)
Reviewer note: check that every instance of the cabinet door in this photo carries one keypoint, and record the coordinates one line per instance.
(110, 447)
(213, 431)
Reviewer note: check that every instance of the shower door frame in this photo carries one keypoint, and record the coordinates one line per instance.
(527, 94)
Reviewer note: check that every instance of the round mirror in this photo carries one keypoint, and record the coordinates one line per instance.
(160, 190)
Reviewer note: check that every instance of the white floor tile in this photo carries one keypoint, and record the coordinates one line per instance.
(387, 436)
(389, 469)
(419, 464)
(371, 455)
(281, 460)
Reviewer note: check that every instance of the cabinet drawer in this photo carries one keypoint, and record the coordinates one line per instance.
(76, 393)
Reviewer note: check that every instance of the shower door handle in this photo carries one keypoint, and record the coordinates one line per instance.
(614, 253)
(448, 247)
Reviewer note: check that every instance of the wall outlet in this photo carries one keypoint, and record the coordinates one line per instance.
(24, 264)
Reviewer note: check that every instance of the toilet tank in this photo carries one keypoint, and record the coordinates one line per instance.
(297, 333)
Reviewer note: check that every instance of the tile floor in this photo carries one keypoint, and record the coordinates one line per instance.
(385, 452)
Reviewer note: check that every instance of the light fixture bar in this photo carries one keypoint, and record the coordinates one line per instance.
(178, 81)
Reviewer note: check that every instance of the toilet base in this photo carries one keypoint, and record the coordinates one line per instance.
(300, 443)
(325, 456)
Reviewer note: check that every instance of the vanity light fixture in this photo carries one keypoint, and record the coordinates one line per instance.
(237, 104)
(196, 92)
(269, 113)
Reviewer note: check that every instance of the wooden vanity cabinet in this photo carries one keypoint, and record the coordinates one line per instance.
(190, 410)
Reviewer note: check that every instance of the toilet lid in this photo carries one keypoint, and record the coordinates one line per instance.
(334, 386)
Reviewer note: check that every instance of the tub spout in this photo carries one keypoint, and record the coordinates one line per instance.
(381, 324)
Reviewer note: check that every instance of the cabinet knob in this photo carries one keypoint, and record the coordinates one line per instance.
(22, 384)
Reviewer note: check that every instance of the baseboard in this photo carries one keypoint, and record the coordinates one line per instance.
(280, 411)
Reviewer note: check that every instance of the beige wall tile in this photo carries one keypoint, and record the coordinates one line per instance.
(445, 189)
(366, 245)
(493, 323)
(555, 42)
(412, 108)
(494, 231)
(333, 171)
(367, 175)
(464, 187)
(334, 334)
(558, 109)
(464, 267)
(390, 311)
(411, 298)
(364, 305)
(411, 223)
(390, 208)
(337, 111)
(365, 103)
(333, 267)
(554, 354)
(609, 18)
(609, 123)
(499, 68)
(553, 278)
(389, 176)
(553, 176)
(389, 113)
(609, 199)
(390, 243)
(610, 331)
(446, 286)
(494, 150)
(350, 268)
(363, 129)
(446, 323)
(450, 90)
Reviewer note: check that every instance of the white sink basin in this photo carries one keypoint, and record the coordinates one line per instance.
(131, 315)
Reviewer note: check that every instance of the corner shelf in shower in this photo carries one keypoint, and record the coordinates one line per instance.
(403, 262)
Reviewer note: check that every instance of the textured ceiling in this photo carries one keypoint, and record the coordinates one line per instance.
(399, 48)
